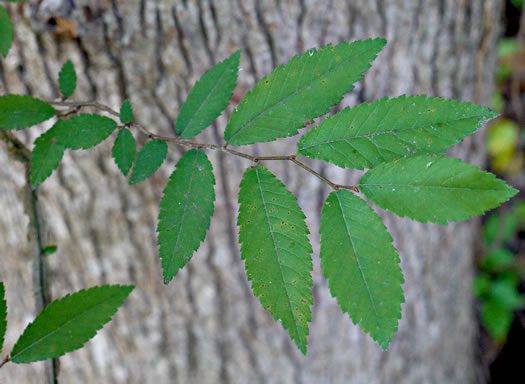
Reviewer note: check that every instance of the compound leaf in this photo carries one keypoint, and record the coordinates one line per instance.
(388, 129)
(6, 32)
(47, 154)
(149, 159)
(434, 189)
(85, 131)
(124, 150)
(68, 323)
(361, 265)
(276, 251)
(67, 79)
(19, 112)
(126, 112)
(300, 91)
(185, 211)
(3, 315)
(208, 97)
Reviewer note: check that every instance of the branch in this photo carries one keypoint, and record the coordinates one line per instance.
(23, 154)
(77, 105)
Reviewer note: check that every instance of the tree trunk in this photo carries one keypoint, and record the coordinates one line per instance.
(206, 326)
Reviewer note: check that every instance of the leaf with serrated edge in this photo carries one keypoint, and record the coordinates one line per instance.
(185, 211)
(19, 112)
(148, 160)
(208, 98)
(6, 32)
(46, 156)
(387, 129)
(299, 91)
(3, 315)
(434, 189)
(276, 251)
(85, 131)
(67, 79)
(126, 112)
(68, 323)
(124, 150)
(361, 265)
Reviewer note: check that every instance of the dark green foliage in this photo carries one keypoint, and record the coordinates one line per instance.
(126, 112)
(85, 131)
(67, 324)
(67, 79)
(434, 189)
(208, 98)
(361, 265)
(49, 250)
(3, 315)
(6, 32)
(303, 89)
(185, 211)
(276, 251)
(124, 150)
(387, 129)
(19, 112)
(148, 160)
(47, 154)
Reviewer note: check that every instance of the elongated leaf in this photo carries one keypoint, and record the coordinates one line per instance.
(67, 79)
(67, 324)
(434, 189)
(19, 112)
(361, 265)
(276, 251)
(126, 112)
(47, 154)
(208, 98)
(85, 131)
(388, 129)
(149, 159)
(6, 32)
(300, 91)
(185, 211)
(124, 151)
(3, 315)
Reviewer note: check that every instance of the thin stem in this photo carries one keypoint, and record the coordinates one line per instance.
(192, 144)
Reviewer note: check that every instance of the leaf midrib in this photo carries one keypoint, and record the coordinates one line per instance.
(374, 134)
(356, 256)
(38, 341)
(278, 256)
(309, 85)
(431, 187)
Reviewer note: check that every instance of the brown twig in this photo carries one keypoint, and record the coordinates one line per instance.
(193, 144)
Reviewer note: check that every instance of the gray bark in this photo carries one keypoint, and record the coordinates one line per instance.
(206, 326)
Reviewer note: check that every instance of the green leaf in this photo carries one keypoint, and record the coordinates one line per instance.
(497, 319)
(185, 211)
(67, 324)
(434, 189)
(361, 265)
(126, 112)
(3, 315)
(49, 250)
(47, 154)
(303, 89)
(388, 129)
(124, 151)
(67, 79)
(6, 32)
(85, 131)
(19, 112)
(505, 291)
(208, 97)
(276, 251)
(149, 159)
